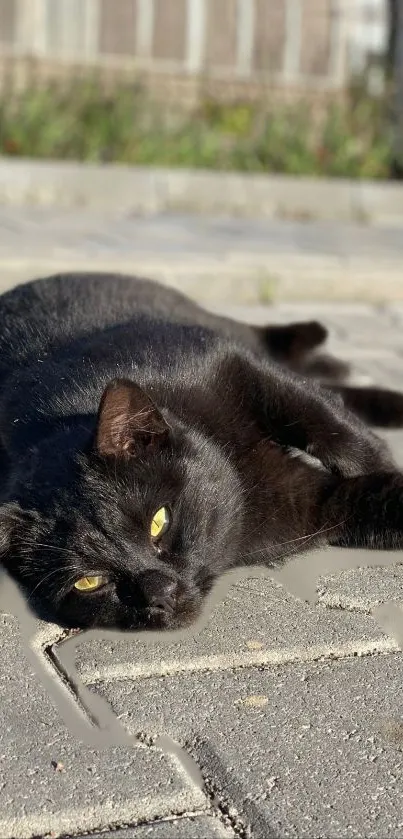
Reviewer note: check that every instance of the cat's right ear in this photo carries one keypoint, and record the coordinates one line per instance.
(128, 423)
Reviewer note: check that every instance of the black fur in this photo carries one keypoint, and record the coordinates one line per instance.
(119, 396)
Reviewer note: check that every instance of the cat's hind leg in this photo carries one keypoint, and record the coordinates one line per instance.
(294, 345)
(292, 341)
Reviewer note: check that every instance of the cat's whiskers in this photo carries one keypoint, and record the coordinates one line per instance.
(298, 539)
(72, 568)
(52, 548)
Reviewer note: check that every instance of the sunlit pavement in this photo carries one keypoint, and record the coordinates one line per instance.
(215, 259)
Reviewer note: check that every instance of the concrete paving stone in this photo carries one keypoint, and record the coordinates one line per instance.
(395, 311)
(51, 782)
(284, 312)
(394, 439)
(357, 589)
(365, 355)
(386, 370)
(304, 750)
(215, 258)
(176, 232)
(211, 276)
(376, 329)
(374, 332)
(244, 629)
(259, 315)
(197, 827)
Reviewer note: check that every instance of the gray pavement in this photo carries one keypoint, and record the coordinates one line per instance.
(216, 259)
(279, 715)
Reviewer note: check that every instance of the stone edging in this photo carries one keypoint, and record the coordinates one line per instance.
(118, 188)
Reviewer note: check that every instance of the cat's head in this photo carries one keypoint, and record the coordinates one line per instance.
(135, 531)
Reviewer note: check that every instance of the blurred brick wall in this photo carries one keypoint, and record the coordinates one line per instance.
(117, 25)
(235, 47)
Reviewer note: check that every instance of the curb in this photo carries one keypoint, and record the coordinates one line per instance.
(237, 279)
(120, 188)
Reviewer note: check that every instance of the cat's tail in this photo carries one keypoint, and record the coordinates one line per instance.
(378, 407)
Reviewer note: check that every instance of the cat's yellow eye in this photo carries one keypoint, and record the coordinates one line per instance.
(90, 583)
(160, 523)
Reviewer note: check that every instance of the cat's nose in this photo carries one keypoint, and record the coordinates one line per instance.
(160, 591)
(166, 598)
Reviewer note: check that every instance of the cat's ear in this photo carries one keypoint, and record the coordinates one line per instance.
(128, 422)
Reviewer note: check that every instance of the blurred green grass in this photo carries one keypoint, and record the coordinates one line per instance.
(83, 121)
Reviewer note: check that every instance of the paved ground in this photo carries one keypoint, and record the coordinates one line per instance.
(221, 259)
(281, 716)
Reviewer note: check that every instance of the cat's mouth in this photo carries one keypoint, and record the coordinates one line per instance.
(172, 607)
(163, 621)
(181, 615)
(178, 615)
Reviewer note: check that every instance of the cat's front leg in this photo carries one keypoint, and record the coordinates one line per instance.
(296, 507)
(365, 511)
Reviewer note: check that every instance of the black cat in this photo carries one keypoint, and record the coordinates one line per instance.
(148, 446)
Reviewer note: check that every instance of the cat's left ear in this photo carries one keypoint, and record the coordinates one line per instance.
(128, 424)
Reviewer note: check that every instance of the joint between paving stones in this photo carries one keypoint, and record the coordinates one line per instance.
(205, 753)
(160, 742)
(116, 827)
(225, 811)
(68, 683)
